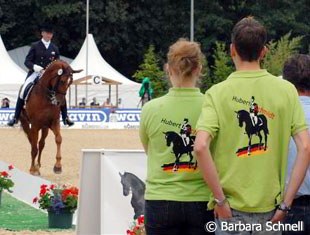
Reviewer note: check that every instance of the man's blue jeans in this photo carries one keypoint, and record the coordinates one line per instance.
(244, 223)
(176, 218)
(300, 212)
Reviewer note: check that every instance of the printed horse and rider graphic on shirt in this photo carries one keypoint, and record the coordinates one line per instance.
(254, 124)
(182, 145)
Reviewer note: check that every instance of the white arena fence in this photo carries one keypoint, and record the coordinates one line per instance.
(104, 207)
(104, 118)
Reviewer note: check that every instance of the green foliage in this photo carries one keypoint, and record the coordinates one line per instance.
(205, 78)
(5, 182)
(279, 52)
(123, 30)
(222, 64)
(150, 68)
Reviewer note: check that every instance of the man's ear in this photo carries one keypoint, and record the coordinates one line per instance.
(263, 52)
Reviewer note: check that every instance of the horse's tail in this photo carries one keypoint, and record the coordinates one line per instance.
(265, 123)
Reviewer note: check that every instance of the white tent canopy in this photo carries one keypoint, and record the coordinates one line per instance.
(19, 54)
(11, 75)
(98, 67)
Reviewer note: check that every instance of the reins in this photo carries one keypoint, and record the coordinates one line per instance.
(53, 91)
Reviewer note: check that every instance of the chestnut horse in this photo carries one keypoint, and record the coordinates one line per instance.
(42, 111)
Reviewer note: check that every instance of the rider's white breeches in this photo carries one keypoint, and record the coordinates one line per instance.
(29, 79)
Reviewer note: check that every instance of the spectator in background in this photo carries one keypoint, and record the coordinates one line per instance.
(120, 103)
(82, 104)
(5, 103)
(146, 91)
(297, 71)
(94, 103)
(107, 103)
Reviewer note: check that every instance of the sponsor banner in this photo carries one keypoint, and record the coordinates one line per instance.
(92, 118)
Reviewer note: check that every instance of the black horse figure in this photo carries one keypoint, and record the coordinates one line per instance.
(179, 148)
(250, 129)
(132, 183)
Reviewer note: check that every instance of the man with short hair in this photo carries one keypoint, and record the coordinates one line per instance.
(297, 71)
(40, 55)
(245, 165)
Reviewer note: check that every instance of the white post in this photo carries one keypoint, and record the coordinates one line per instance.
(87, 31)
(192, 21)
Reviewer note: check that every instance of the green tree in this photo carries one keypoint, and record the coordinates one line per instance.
(279, 52)
(222, 63)
(150, 68)
(205, 81)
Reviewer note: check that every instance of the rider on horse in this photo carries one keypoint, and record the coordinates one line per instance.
(254, 112)
(185, 132)
(40, 55)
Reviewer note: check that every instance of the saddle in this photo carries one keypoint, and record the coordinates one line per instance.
(28, 88)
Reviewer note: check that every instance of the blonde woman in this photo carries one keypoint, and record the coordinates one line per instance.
(176, 194)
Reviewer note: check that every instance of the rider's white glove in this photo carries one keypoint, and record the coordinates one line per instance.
(37, 68)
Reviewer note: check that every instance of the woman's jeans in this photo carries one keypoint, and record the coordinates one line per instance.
(176, 218)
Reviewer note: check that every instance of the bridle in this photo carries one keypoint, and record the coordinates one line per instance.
(53, 90)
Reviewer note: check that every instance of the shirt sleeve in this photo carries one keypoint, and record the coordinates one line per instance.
(208, 120)
(298, 120)
(30, 58)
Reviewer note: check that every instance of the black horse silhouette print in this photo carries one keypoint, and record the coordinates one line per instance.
(179, 148)
(253, 129)
(131, 183)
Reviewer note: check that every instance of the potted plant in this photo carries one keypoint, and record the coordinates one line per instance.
(60, 203)
(137, 227)
(5, 182)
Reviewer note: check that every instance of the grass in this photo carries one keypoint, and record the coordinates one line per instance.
(16, 215)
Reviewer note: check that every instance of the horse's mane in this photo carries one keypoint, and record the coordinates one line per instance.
(136, 177)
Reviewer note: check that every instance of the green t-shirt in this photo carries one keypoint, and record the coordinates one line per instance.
(250, 104)
(167, 128)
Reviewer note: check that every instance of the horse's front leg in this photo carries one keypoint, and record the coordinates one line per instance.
(249, 146)
(265, 133)
(260, 140)
(42, 144)
(33, 138)
(190, 159)
(58, 140)
(176, 163)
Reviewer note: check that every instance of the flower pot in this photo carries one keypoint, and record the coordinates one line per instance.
(60, 219)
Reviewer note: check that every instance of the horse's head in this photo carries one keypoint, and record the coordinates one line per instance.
(58, 77)
(240, 119)
(125, 183)
(168, 138)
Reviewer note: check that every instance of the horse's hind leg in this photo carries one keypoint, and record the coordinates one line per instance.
(42, 144)
(58, 140)
(266, 137)
(33, 136)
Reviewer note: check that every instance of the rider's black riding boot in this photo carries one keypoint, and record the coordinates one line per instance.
(18, 109)
(64, 115)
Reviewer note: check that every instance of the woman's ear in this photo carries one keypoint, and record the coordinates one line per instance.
(167, 70)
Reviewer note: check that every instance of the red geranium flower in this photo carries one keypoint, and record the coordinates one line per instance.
(35, 200)
(4, 174)
(11, 167)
